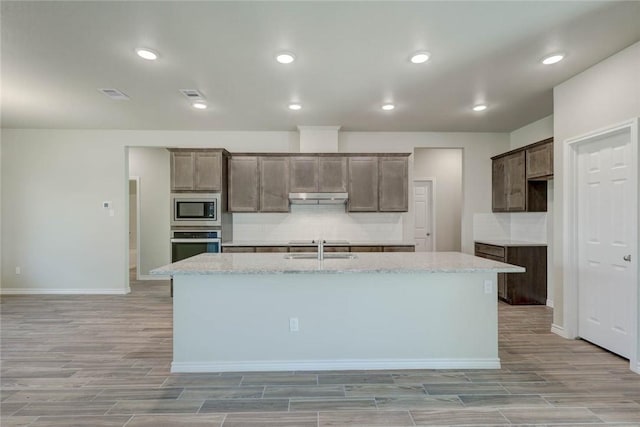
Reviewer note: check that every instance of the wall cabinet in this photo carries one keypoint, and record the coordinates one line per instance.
(393, 178)
(325, 174)
(243, 194)
(274, 184)
(519, 288)
(519, 178)
(363, 184)
(197, 170)
(332, 174)
(540, 160)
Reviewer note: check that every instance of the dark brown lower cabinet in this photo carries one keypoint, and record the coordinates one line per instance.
(527, 288)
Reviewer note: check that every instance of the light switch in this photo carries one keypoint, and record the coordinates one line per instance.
(488, 286)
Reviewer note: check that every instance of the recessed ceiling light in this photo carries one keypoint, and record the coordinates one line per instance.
(295, 107)
(553, 59)
(285, 57)
(420, 57)
(200, 105)
(388, 107)
(479, 107)
(147, 54)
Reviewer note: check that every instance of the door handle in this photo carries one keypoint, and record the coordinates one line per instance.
(428, 234)
(627, 258)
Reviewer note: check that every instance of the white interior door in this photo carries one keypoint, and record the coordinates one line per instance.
(606, 243)
(423, 220)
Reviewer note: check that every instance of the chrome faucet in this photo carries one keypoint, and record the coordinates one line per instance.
(321, 249)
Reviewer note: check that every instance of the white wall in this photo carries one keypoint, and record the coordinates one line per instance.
(445, 165)
(73, 245)
(151, 165)
(603, 95)
(533, 132)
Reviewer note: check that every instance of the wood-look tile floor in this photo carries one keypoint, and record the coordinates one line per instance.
(104, 361)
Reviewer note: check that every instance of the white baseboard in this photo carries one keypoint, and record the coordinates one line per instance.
(334, 365)
(153, 277)
(32, 291)
(550, 303)
(559, 330)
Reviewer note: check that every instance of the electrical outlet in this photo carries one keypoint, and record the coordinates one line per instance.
(293, 324)
(18, 270)
(488, 286)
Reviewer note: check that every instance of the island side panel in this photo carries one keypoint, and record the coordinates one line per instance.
(241, 322)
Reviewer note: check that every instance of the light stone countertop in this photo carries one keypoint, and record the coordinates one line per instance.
(510, 243)
(386, 262)
(330, 242)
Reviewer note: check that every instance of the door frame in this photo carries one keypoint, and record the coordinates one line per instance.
(137, 180)
(570, 233)
(431, 180)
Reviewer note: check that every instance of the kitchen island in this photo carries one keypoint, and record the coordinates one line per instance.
(264, 312)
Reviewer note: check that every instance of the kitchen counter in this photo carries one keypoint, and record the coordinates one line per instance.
(276, 263)
(308, 243)
(262, 312)
(510, 243)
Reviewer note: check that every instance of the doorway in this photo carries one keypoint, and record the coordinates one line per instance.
(423, 210)
(602, 223)
(134, 227)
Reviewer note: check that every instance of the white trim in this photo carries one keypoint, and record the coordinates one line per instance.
(549, 303)
(152, 277)
(570, 234)
(337, 364)
(137, 180)
(35, 291)
(432, 180)
(559, 330)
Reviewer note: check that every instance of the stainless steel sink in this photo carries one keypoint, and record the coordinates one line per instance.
(332, 255)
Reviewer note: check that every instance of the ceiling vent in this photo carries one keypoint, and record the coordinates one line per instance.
(192, 94)
(114, 94)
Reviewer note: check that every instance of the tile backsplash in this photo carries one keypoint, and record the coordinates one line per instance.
(529, 226)
(306, 222)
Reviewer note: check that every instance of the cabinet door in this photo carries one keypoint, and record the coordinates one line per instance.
(540, 161)
(516, 182)
(363, 184)
(332, 174)
(238, 249)
(366, 249)
(304, 174)
(243, 184)
(498, 190)
(182, 169)
(393, 192)
(274, 184)
(208, 171)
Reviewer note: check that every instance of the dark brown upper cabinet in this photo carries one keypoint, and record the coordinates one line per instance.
(519, 178)
(303, 174)
(197, 170)
(324, 174)
(363, 184)
(332, 174)
(274, 184)
(243, 194)
(393, 175)
(540, 160)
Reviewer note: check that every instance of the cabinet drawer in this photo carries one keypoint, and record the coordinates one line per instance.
(497, 251)
(366, 249)
(264, 249)
(491, 257)
(336, 248)
(398, 249)
(238, 249)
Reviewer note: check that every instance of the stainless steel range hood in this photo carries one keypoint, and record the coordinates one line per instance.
(318, 198)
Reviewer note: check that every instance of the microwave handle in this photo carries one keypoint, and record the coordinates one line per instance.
(195, 240)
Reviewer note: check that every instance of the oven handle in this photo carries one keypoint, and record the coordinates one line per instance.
(195, 240)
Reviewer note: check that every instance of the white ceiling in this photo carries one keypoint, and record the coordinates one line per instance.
(351, 57)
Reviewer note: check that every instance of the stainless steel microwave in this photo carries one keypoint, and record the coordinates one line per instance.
(195, 209)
